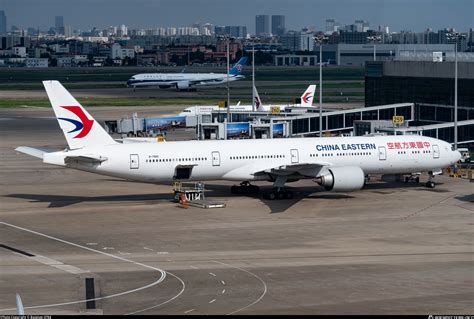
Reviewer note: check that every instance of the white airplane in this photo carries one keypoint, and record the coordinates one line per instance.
(306, 101)
(185, 81)
(336, 163)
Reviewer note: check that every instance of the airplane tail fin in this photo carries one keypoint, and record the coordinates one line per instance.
(238, 67)
(258, 101)
(308, 95)
(78, 126)
(20, 311)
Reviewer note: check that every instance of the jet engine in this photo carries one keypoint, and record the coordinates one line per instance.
(182, 85)
(341, 178)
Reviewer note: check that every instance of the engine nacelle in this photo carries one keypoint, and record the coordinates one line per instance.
(182, 85)
(342, 178)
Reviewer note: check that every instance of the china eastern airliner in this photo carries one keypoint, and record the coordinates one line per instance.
(185, 81)
(306, 101)
(336, 163)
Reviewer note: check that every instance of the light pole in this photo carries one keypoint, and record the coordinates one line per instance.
(374, 39)
(227, 38)
(253, 39)
(320, 39)
(456, 36)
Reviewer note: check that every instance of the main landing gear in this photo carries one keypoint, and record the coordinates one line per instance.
(416, 178)
(411, 178)
(278, 193)
(245, 188)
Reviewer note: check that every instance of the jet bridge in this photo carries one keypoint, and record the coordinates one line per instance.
(298, 124)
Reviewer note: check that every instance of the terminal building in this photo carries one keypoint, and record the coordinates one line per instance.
(357, 54)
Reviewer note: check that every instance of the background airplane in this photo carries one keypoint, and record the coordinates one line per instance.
(185, 81)
(336, 163)
(306, 101)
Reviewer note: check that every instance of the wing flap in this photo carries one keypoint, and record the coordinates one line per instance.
(252, 170)
(86, 159)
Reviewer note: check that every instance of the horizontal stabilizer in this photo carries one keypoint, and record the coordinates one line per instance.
(36, 152)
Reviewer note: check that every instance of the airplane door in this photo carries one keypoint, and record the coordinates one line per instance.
(382, 153)
(435, 151)
(216, 159)
(134, 161)
(294, 156)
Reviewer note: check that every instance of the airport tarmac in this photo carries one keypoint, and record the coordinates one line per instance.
(391, 248)
(269, 91)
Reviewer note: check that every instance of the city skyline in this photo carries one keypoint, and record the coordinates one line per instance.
(417, 16)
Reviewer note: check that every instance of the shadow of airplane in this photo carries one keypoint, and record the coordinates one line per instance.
(222, 191)
(466, 198)
(63, 201)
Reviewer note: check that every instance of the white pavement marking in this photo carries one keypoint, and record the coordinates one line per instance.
(223, 282)
(223, 291)
(254, 275)
(162, 277)
(122, 253)
(189, 311)
(108, 248)
(212, 300)
(194, 267)
(146, 248)
(91, 244)
(212, 274)
(59, 265)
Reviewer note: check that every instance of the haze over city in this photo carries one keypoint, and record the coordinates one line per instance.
(397, 14)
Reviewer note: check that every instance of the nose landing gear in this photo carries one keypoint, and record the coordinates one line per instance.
(430, 183)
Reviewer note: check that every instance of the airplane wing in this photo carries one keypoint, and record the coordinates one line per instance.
(297, 169)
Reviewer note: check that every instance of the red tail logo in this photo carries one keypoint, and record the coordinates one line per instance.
(85, 125)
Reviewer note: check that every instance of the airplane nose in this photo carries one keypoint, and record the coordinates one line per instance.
(457, 155)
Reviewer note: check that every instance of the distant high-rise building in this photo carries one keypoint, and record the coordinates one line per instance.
(208, 29)
(278, 25)
(361, 25)
(332, 26)
(3, 22)
(68, 31)
(471, 39)
(235, 31)
(59, 24)
(262, 25)
(291, 41)
(171, 31)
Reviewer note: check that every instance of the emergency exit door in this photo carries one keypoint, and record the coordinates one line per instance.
(216, 159)
(295, 158)
(382, 153)
(134, 161)
(435, 151)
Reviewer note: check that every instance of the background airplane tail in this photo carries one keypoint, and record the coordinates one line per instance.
(238, 67)
(78, 126)
(308, 96)
(258, 101)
